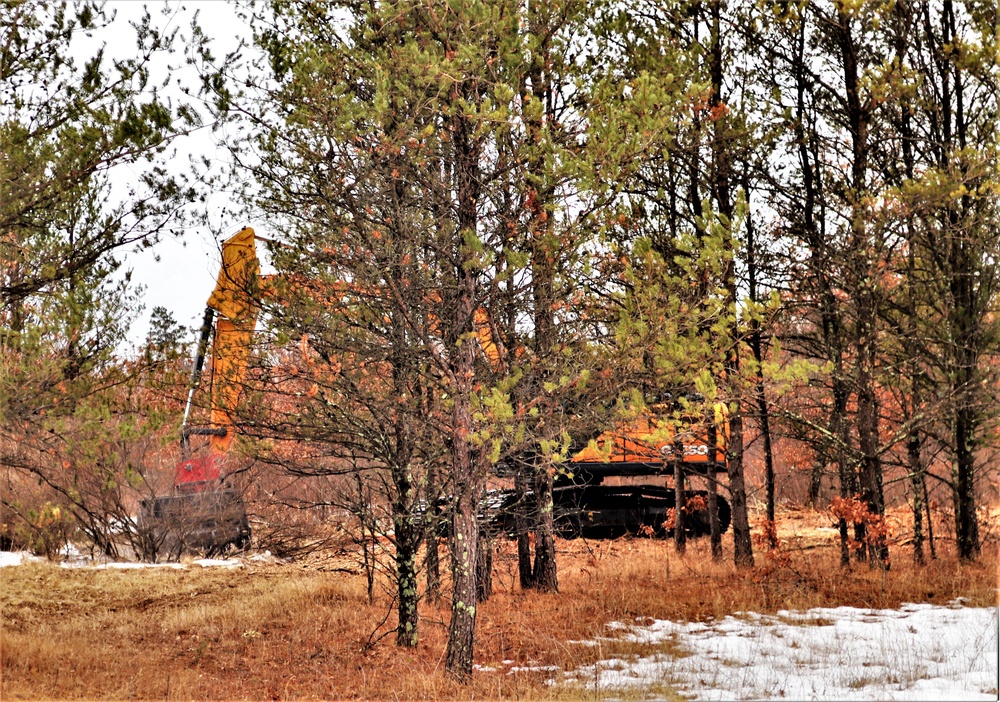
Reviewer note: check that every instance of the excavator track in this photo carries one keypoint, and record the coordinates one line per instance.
(611, 511)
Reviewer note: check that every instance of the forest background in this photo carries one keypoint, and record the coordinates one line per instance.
(787, 207)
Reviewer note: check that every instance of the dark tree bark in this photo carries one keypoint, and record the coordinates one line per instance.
(407, 541)
(484, 566)
(902, 30)
(958, 248)
(432, 560)
(865, 284)
(966, 325)
(722, 184)
(680, 501)
(756, 346)
(714, 527)
(544, 574)
(465, 466)
(526, 576)
(821, 268)
(544, 254)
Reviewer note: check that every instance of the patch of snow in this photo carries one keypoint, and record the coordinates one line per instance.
(266, 557)
(918, 652)
(129, 565)
(13, 558)
(217, 562)
(73, 557)
(71, 551)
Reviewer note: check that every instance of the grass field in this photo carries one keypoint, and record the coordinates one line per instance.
(307, 630)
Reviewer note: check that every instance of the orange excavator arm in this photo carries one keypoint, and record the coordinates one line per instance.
(232, 311)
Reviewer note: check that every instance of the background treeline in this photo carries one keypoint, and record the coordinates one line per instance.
(788, 207)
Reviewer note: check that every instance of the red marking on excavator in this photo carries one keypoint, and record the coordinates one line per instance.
(199, 474)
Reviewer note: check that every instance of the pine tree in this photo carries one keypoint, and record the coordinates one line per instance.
(65, 299)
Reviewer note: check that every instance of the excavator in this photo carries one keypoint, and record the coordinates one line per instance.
(649, 445)
(661, 442)
(203, 512)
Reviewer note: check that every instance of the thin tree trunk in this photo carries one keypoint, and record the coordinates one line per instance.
(722, 187)
(544, 253)
(756, 346)
(526, 576)
(544, 574)
(367, 550)
(866, 299)
(484, 566)
(902, 33)
(819, 264)
(722, 181)
(714, 528)
(432, 560)
(930, 521)
(916, 481)
(680, 500)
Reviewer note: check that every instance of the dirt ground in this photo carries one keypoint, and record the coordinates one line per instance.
(307, 630)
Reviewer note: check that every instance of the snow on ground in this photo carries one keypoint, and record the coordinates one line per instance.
(12, 558)
(71, 557)
(918, 652)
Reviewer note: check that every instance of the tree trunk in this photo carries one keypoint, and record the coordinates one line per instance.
(545, 575)
(522, 522)
(432, 560)
(367, 548)
(866, 296)
(916, 482)
(742, 543)
(462, 628)
(722, 184)
(930, 521)
(537, 88)
(484, 566)
(714, 528)
(756, 346)
(912, 402)
(407, 537)
(465, 466)
(465, 528)
(966, 521)
(820, 267)
(432, 563)
(680, 498)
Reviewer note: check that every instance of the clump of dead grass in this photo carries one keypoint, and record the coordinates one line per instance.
(292, 631)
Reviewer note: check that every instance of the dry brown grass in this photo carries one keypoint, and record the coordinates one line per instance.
(299, 631)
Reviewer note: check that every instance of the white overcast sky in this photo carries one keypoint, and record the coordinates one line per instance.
(183, 277)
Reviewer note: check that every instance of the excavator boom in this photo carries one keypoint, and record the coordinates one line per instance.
(231, 312)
